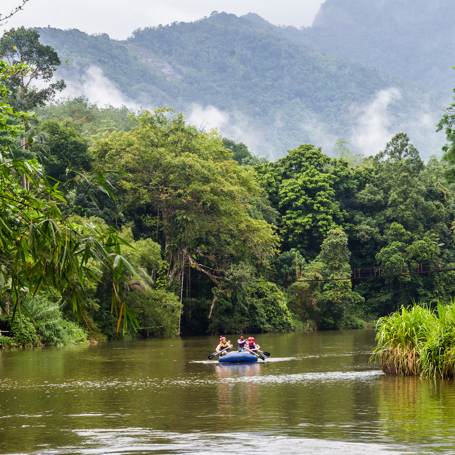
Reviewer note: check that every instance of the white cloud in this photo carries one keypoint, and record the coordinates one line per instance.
(234, 125)
(98, 89)
(207, 118)
(375, 125)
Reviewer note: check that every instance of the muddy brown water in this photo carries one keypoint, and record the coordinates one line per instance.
(317, 394)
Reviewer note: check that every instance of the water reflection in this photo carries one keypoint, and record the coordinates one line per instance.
(317, 393)
(418, 411)
(240, 398)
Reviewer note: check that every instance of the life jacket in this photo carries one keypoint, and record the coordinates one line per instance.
(251, 345)
(224, 346)
(241, 343)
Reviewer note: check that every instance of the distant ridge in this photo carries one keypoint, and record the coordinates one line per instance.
(267, 88)
(413, 40)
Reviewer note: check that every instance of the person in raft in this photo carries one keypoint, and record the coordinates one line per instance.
(252, 345)
(241, 342)
(224, 346)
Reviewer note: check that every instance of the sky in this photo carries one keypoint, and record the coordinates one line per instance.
(118, 18)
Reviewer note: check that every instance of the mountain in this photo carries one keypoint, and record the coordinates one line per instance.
(263, 86)
(410, 39)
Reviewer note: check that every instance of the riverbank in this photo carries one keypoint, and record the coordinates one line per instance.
(417, 342)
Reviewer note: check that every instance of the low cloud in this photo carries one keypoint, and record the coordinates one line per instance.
(207, 118)
(234, 125)
(375, 124)
(98, 89)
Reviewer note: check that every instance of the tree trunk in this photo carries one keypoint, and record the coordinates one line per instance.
(25, 182)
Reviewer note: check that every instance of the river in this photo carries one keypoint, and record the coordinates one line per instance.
(317, 394)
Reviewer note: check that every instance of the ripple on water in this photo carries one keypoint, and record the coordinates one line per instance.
(164, 383)
(140, 440)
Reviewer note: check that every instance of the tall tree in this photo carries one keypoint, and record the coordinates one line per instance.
(324, 291)
(185, 182)
(447, 123)
(40, 247)
(21, 46)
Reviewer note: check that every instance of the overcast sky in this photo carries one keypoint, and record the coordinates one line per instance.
(119, 18)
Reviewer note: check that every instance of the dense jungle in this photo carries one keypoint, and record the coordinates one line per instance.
(122, 223)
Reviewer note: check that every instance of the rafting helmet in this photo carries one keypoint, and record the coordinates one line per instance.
(222, 338)
(250, 339)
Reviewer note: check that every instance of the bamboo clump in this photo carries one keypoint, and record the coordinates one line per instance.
(417, 341)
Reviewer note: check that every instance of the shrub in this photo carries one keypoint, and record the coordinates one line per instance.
(45, 324)
(7, 342)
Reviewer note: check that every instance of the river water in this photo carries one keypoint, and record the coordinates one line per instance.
(317, 394)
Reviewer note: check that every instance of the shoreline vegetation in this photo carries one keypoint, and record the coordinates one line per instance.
(417, 341)
(117, 220)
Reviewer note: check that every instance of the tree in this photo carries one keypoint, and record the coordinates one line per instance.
(40, 247)
(22, 46)
(68, 152)
(240, 150)
(324, 292)
(301, 187)
(406, 209)
(341, 150)
(186, 185)
(447, 123)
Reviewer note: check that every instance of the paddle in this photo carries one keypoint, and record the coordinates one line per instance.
(265, 353)
(210, 357)
(258, 354)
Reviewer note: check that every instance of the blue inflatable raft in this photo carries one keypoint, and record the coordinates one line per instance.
(236, 357)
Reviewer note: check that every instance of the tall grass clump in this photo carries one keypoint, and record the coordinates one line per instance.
(417, 341)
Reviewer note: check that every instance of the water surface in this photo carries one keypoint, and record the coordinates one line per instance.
(316, 394)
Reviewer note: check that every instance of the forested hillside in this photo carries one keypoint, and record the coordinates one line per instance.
(273, 92)
(412, 40)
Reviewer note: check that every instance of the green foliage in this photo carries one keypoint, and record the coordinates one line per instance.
(418, 341)
(200, 217)
(240, 151)
(22, 46)
(25, 334)
(447, 123)
(7, 342)
(247, 304)
(190, 192)
(267, 305)
(324, 292)
(289, 266)
(86, 117)
(40, 248)
(44, 324)
(68, 152)
(144, 253)
(403, 217)
(340, 150)
(308, 188)
(156, 309)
